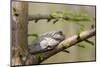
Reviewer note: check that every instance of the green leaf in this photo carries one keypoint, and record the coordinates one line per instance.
(78, 33)
(64, 46)
(33, 34)
(81, 28)
(16, 14)
(82, 46)
(53, 14)
(40, 56)
(79, 17)
(14, 9)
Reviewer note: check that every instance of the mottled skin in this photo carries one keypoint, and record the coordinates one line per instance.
(46, 41)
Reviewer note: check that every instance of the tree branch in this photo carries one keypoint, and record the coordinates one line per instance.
(71, 41)
(49, 17)
(39, 16)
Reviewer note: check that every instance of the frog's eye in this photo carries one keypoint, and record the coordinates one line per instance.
(49, 47)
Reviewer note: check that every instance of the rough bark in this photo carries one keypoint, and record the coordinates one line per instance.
(20, 32)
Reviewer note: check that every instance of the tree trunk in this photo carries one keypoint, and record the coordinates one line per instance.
(19, 24)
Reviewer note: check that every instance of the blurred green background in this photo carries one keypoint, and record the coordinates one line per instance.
(68, 27)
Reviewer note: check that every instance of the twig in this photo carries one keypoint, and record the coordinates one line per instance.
(49, 17)
(39, 16)
(90, 42)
